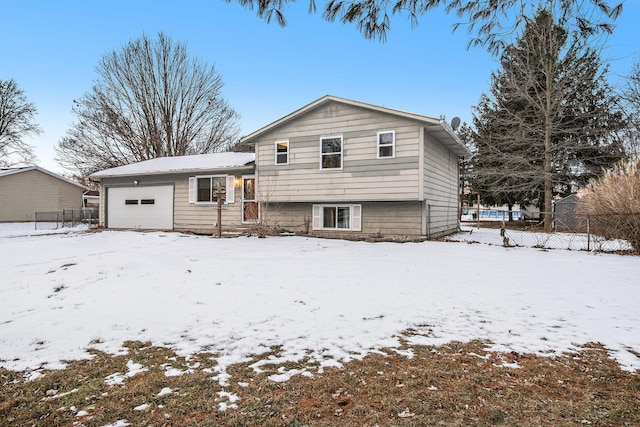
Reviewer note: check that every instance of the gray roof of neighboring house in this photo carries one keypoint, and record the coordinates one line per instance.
(12, 171)
(180, 164)
(438, 128)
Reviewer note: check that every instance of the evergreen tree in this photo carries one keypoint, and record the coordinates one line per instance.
(549, 123)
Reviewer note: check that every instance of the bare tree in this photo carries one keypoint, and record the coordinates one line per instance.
(550, 122)
(631, 106)
(493, 22)
(16, 122)
(150, 100)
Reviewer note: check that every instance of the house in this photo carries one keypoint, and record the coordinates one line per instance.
(179, 193)
(27, 190)
(335, 166)
(342, 166)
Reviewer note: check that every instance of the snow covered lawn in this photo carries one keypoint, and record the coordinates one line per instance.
(326, 300)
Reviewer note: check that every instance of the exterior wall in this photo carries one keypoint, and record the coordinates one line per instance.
(197, 218)
(391, 218)
(363, 176)
(440, 188)
(25, 193)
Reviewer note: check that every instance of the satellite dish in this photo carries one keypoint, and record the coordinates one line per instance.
(455, 123)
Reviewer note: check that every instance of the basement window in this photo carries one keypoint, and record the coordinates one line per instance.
(148, 201)
(131, 202)
(337, 217)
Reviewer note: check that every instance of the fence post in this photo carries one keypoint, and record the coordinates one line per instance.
(478, 223)
(428, 222)
(36, 223)
(588, 234)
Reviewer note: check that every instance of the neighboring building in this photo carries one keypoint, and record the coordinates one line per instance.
(566, 215)
(91, 199)
(178, 193)
(27, 190)
(341, 166)
(334, 166)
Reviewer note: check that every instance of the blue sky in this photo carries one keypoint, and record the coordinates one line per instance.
(52, 48)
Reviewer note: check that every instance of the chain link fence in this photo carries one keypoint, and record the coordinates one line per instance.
(572, 231)
(441, 220)
(66, 218)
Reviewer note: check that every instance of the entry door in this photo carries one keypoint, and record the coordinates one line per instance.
(250, 207)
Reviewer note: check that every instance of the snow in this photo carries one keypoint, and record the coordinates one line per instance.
(165, 391)
(22, 229)
(133, 369)
(119, 423)
(176, 164)
(320, 300)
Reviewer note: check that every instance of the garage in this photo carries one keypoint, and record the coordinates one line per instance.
(140, 207)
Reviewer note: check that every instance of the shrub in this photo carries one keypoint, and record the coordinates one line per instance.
(613, 204)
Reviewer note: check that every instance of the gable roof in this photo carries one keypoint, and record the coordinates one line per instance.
(12, 171)
(180, 164)
(438, 128)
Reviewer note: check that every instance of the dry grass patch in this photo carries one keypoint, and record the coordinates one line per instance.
(453, 385)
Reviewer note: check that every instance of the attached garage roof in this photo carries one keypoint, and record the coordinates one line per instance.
(181, 164)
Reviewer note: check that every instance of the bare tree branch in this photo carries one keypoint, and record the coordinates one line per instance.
(16, 122)
(150, 100)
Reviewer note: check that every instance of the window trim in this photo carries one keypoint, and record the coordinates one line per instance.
(322, 138)
(355, 216)
(281, 141)
(392, 145)
(212, 202)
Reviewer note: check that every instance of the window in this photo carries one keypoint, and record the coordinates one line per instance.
(131, 202)
(148, 201)
(331, 152)
(202, 189)
(282, 152)
(207, 187)
(337, 217)
(386, 144)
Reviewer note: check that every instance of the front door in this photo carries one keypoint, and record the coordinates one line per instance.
(250, 207)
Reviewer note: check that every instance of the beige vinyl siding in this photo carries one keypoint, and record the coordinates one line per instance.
(389, 218)
(440, 174)
(440, 187)
(197, 218)
(25, 193)
(363, 176)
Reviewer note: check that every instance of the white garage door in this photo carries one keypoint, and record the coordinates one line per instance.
(140, 207)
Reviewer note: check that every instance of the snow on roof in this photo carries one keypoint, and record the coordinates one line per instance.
(198, 162)
(11, 171)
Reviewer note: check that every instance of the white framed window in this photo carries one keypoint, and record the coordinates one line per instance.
(282, 152)
(337, 217)
(387, 144)
(202, 189)
(331, 152)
